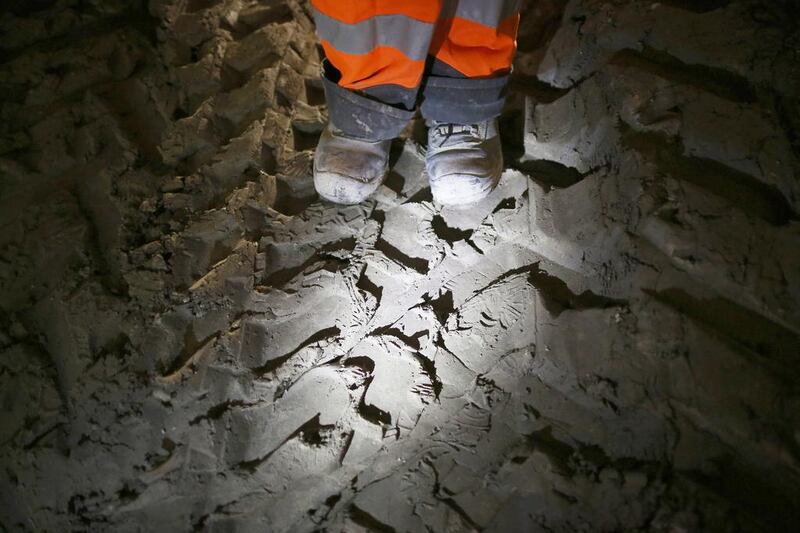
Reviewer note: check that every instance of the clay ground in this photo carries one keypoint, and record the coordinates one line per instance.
(190, 340)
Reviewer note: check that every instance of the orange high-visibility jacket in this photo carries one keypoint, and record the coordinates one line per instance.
(379, 42)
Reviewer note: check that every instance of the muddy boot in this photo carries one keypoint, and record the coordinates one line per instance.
(347, 170)
(464, 162)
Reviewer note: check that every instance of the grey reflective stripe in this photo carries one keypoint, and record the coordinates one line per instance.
(487, 12)
(412, 37)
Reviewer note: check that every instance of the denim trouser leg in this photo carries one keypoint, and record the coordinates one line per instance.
(375, 118)
(383, 112)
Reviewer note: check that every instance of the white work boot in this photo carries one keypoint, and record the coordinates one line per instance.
(347, 170)
(464, 161)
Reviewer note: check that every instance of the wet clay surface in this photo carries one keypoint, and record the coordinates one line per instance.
(190, 340)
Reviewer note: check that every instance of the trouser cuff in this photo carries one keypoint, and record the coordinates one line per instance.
(463, 100)
(359, 116)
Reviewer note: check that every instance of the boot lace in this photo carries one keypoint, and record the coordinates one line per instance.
(448, 130)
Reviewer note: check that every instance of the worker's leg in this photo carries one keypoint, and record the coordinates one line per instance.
(463, 94)
(472, 49)
(376, 52)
